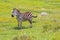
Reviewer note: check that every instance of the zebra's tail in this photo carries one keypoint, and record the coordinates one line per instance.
(34, 16)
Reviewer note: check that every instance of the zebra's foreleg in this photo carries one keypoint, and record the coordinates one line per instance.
(19, 24)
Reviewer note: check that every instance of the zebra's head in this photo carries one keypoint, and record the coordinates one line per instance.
(15, 12)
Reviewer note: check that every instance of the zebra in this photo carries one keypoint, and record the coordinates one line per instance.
(22, 16)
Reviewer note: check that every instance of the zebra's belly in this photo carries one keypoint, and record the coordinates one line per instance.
(24, 19)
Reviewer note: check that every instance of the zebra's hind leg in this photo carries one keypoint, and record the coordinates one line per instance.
(30, 21)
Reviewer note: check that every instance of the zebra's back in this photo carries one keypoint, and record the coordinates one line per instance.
(27, 15)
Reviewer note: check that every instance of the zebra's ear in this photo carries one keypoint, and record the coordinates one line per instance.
(18, 10)
(13, 9)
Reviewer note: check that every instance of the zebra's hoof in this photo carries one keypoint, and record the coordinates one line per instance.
(30, 26)
(19, 28)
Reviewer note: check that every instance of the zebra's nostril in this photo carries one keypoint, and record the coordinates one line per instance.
(12, 15)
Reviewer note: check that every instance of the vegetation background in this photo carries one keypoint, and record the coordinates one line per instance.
(44, 27)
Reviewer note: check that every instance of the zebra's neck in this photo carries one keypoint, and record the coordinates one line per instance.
(18, 14)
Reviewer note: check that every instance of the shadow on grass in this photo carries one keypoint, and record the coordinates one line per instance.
(16, 28)
(33, 21)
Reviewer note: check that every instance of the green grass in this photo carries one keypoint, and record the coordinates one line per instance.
(45, 28)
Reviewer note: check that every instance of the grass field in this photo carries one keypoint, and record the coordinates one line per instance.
(44, 28)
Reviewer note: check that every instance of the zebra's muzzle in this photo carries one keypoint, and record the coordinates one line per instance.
(12, 15)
